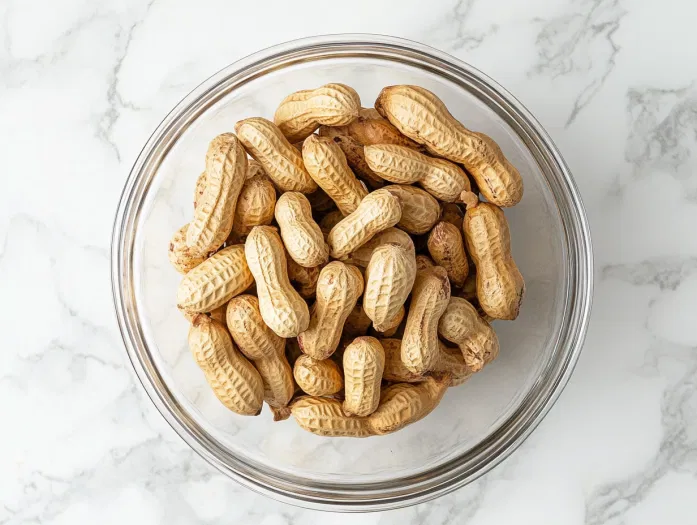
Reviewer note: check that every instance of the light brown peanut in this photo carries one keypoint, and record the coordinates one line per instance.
(429, 300)
(441, 178)
(338, 288)
(325, 417)
(461, 324)
(233, 379)
(218, 314)
(254, 169)
(300, 233)
(389, 279)
(215, 281)
(320, 201)
(255, 205)
(500, 286)
(226, 166)
(330, 220)
(420, 210)
(469, 289)
(452, 213)
(447, 248)
(281, 161)
(353, 151)
(405, 403)
(326, 164)
(293, 350)
(423, 262)
(200, 187)
(302, 112)
(376, 212)
(282, 308)
(390, 328)
(305, 279)
(183, 258)
(318, 377)
(357, 323)
(450, 360)
(364, 362)
(423, 117)
(361, 256)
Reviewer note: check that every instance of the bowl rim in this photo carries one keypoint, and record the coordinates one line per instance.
(408, 490)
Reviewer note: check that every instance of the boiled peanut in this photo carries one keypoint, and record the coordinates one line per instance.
(233, 379)
(361, 256)
(441, 178)
(302, 112)
(423, 262)
(423, 117)
(215, 281)
(282, 308)
(325, 417)
(300, 233)
(389, 279)
(318, 377)
(500, 286)
(183, 258)
(305, 279)
(430, 297)
(281, 161)
(226, 165)
(326, 164)
(447, 248)
(338, 288)
(390, 328)
(420, 210)
(364, 362)
(376, 212)
(357, 323)
(255, 205)
(461, 324)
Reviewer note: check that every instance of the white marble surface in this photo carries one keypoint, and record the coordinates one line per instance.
(82, 85)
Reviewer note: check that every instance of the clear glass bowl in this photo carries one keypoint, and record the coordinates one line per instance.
(476, 425)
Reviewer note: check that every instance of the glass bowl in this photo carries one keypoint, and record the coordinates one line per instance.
(477, 424)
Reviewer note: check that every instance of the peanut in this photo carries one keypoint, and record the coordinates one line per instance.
(361, 256)
(226, 165)
(357, 323)
(325, 417)
(320, 201)
(282, 308)
(233, 379)
(318, 377)
(389, 279)
(450, 360)
(423, 117)
(371, 128)
(447, 248)
(353, 151)
(300, 233)
(255, 205)
(423, 262)
(461, 324)
(452, 213)
(302, 112)
(254, 169)
(218, 314)
(364, 361)
(183, 258)
(430, 297)
(281, 161)
(200, 188)
(215, 281)
(338, 288)
(390, 328)
(420, 210)
(305, 279)
(293, 351)
(330, 220)
(376, 212)
(441, 178)
(469, 289)
(500, 286)
(327, 166)
(405, 403)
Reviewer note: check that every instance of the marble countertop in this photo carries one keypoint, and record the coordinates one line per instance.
(83, 84)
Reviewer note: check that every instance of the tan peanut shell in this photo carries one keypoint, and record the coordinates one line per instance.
(330, 220)
(423, 117)
(423, 262)
(300, 233)
(371, 128)
(500, 286)
(218, 314)
(452, 213)
(377, 212)
(390, 328)
(281, 161)
(353, 151)
(200, 187)
(447, 249)
(338, 288)
(320, 201)
(405, 403)
(430, 297)
(420, 210)
(364, 361)
(450, 361)
(357, 323)
(318, 377)
(441, 178)
(215, 281)
(233, 379)
(282, 308)
(361, 256)
(180, 255)
(389, 279)
(254, 169)
(325, 417)
(255, 205)
(304, 279)
(462, 325)
(226, 166)
(302, 112)
(326, 164)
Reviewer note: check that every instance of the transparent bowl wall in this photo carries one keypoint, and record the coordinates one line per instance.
(477, 424)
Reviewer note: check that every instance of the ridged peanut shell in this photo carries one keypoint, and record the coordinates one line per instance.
(364, 362)
(325, 417)
(355, 157)
(357, 323)
(246, 325)
(255, 205)
(183, 258)
(391, 326)
(450, 361)
(330, 220)
(199, 189)
(423, 262)
(452, 213)
(318, 377)
(361, 256)
(420, 210)
(447, 249)
(304, 279)
(301, 235)
(371, 128)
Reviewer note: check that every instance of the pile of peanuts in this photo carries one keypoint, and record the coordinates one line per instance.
(371, 215)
